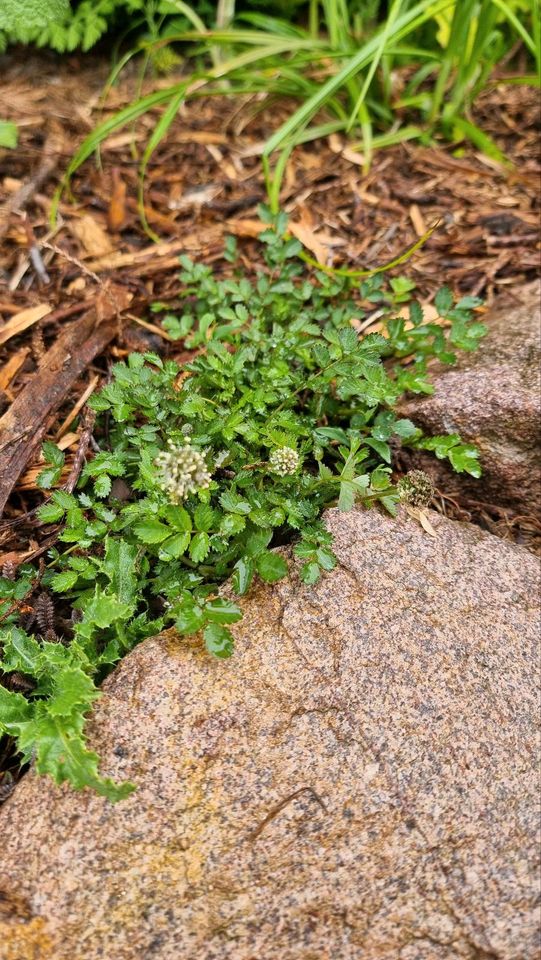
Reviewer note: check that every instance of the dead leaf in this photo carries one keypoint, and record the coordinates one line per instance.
(67, 441)
(93, 237)
(317, 243)
(196, 197)
(354, 156)
(245, 228)
(11, 185)
(422, 517)
(157, 250)
(21, 321)
(417, 220)
(116, 214)
(111, 301)
(12, 367)
(76, 286)
(336, 143)
(61, 432)
(200, 136)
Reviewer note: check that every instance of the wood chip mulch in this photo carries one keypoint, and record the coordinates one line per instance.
(75, 295)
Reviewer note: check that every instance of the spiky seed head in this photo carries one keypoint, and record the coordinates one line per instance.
(181, 471)
(416, 488)
(284, 461)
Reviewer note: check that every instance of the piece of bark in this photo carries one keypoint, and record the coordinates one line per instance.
(25, 423)
(51, 152)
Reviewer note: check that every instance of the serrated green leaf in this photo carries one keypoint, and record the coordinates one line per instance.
(178, 518)
(48, 477)
(465, 459)
(243, 574)
(257, 541)
(310, 573)
(9, 134)
(59, 750)
(17, 14)
(151, 530)
(221, 610)
(382, 449)
(271, 566)
(119, 565)
(53, 454)
(20, 652)
(190, 619)
(101, 611)
(203, 517)
(72, 689)
(326, 558)
(175, 546)
(15, 710)
(50, 512)
(405, 429)
(218, 640)
(102, 485)
(233, 503)
(443, 301)
(199, 547)
(348, 493)
(64, 581)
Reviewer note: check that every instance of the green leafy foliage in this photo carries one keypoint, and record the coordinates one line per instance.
(15, 14)
(337, 63)
(283, 369)
(55, 458)
(9, 134)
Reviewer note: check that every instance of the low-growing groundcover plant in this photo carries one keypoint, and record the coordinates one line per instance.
(283, 410)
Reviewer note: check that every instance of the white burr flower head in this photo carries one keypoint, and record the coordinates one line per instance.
(284, 461)
(182, 471)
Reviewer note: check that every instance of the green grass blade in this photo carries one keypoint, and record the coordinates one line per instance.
(393, 137)
(190, 14)
(378, 53)
(159, 132)
(404, 25)
(481, 140)
(519, 27)
(363, 274)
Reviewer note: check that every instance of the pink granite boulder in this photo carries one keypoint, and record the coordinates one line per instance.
(359, 782)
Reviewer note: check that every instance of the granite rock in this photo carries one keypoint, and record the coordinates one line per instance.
(493, 398)
(358, 782)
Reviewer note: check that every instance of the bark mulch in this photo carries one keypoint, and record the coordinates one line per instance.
(75, 296)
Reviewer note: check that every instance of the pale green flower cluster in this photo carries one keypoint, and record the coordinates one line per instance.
(182, 471)
(284, 461)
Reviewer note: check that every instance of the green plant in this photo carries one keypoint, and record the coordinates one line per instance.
(9, 134)
(283, 410)
(342, 64)
(36, 13)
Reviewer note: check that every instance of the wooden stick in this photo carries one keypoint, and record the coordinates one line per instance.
(25, 423)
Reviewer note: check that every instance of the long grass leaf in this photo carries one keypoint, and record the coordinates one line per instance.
(481, 140)
(389, 265)
(519, 27)
(405, 24)
(159, 132)
(378, 53)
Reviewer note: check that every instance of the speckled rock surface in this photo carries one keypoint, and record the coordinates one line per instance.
(358, 783)
(493, 398)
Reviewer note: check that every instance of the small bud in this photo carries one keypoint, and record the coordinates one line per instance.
(284, 461)
(416, 488)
